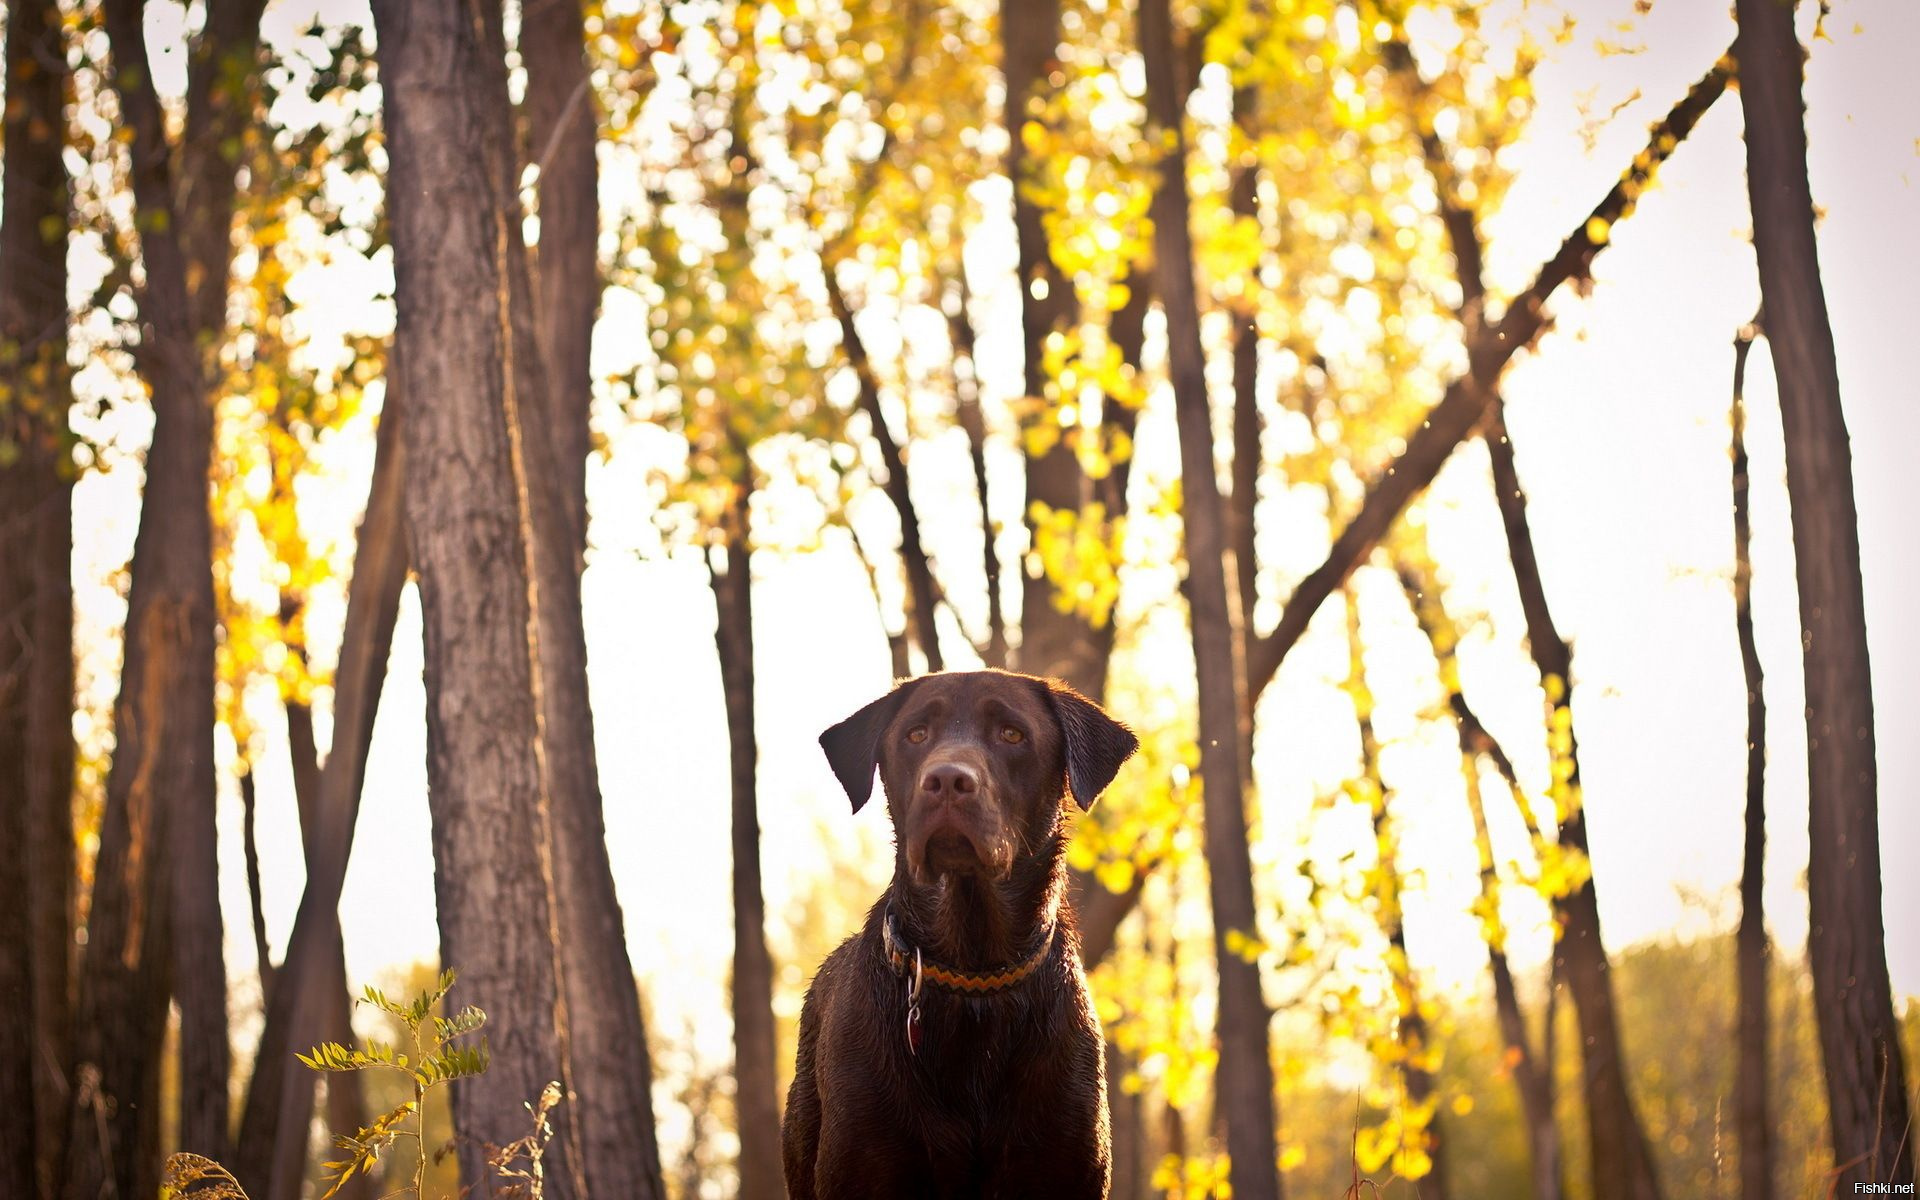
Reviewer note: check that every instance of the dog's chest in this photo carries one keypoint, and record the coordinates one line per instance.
(977, 1057)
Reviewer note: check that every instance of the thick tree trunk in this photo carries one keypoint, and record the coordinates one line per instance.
(456, 256)
(1867, 1098)
(154, 924)
(270, 1158)
(609, 1071)
(1245, 1080)
(1750, 941)
(755, 1074)
(36, 614)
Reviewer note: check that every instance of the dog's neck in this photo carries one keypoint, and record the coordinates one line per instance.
(977, 924)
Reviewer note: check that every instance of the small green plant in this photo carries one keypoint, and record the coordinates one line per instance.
(439, 1055)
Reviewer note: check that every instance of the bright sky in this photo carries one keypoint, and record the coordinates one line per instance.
(1620, 420)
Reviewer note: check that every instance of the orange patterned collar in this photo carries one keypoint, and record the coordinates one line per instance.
(907, 960)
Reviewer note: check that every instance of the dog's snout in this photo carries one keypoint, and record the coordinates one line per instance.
(950, 781)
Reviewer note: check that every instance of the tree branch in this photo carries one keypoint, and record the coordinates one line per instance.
(920, 583)
(1467, 399)
(967, 411)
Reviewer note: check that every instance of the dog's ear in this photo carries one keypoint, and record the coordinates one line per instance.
(853, 746)
(1096, 744)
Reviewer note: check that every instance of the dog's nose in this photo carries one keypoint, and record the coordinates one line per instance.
(950, 781)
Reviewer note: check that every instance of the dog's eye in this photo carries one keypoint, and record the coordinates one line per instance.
(917, 734)
(1012, 735)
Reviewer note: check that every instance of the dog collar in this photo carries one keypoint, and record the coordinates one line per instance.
(907, 961)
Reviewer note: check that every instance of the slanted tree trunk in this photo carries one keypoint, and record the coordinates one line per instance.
(346, 1102)
(608, 1069)
(1867, 1099)
(1532, 1069)
(1619, 1146)
(1411, 1033)
(456, 258)
(1621, 1163)
(755, 1073)
(1245, 1079)
(36, 613)
(270, 1159)
(1750, 941)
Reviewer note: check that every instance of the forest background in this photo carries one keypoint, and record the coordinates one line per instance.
(813, 344)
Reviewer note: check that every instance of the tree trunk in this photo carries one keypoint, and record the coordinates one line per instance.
(755, 1087)
(346, 1101)
(456, 256)
(1867, 1097)
(154, 923)
(1411, 1033)
(36, 613)
(1245, 1080)
(1611, 1119)
(1750, 941)
(561, 134)
(220, 107)
(1620, 1161)
(270, 1159)
(607, 1066)
(1532, 1071)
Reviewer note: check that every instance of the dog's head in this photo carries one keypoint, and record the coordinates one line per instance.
(976, 765)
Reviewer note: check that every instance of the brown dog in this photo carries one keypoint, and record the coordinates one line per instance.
(950, 1049)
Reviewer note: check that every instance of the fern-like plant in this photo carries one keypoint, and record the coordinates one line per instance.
(439, 1055)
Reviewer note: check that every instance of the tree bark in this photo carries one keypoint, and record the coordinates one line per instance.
(1867, 1097)
(606, 1067)
(562, 132)
(456, 255)
(220, 107)
(270, 1158)
(1750, 941)
(1245, 1080)
(755, 1074)
(36, 613)
(155, 926)
(1461, 409)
